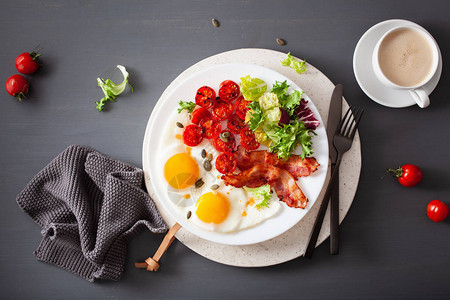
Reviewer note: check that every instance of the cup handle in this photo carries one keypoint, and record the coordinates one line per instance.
(420, 97)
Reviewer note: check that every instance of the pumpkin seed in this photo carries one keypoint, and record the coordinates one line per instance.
(226, 134)
(224, 137)
(281, 42)
(207, 165)
(215, 186)
(199, 183)
(203, 153)
(209, 157)
(180, 125)
(189, 214)
(215, 23)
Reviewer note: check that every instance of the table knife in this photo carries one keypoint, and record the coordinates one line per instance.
(334, 116)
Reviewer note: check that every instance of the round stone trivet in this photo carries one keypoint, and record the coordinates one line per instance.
(292, 243)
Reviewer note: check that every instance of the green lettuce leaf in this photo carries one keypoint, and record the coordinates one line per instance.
(252, 88)
(287, 137)
(298, 66)
(257, 116)
(187, 105)
(261, 194)
(112, 90)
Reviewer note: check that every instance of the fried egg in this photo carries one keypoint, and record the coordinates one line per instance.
(200, 195)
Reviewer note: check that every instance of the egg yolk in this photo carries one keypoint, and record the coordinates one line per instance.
(181, 171)
(212, 208)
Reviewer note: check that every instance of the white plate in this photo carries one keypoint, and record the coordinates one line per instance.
(367, 80)
(287, 217)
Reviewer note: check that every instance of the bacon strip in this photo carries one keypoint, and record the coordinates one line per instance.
(297, 166)
(280, 180)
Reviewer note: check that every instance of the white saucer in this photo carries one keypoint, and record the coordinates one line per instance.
(367, 80)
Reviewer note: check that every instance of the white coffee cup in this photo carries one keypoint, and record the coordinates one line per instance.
(407, 57)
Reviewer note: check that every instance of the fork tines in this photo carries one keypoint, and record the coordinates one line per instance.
(351, 124)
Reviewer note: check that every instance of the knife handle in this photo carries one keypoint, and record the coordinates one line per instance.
(334, 216)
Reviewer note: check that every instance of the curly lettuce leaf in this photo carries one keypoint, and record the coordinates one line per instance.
(287, 137)
(187, 105)
(256, 115)
(298, 66)
(252, 88)
(261, 194)
(112, 90)
(289, 102)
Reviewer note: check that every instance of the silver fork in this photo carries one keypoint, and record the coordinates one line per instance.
(343, 139)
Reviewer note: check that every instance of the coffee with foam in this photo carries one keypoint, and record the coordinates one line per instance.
(405, 57)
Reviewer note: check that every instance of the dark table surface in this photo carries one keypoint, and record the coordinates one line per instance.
(389, 248)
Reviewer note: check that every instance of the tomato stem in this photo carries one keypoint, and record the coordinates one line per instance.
(396, 172)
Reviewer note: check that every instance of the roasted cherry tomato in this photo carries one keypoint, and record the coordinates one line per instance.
(229, 90)
(437, 210)
(408, 175)
(248, 140)
(192, 135)
(235, 124)
(26, 63)
(199, 114)
(205, 97)
(226, 162)
(210, 127)
(221, 110)
(224, 141)
(17, 86)
(241, 107)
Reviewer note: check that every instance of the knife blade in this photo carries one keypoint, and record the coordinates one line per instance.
(334, 116)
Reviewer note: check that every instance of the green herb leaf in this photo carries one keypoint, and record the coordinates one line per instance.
(261, 194)
(257, 116)
(298, 66)
(112, 90)
(189, 106)
(287, 137)
(252, 88)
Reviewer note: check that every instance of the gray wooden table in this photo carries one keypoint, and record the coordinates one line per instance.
(389, 248)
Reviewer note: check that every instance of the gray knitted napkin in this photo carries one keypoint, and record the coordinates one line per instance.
(89, 206)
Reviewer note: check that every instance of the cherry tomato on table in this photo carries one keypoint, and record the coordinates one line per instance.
(221, 109)
(235, 124)
(241, 107)
(229, 90)
(209, 127)
(437, 211)
(408, 175)
(226, 162)
(199, 114)
(205, 97)
(224, 141)
(248, 140)
(26, 63)
(17, 86)
(192, 135)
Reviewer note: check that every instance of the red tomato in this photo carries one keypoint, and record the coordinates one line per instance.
(248, 140)
(199, 114)
(235, 124)
(209, 127)
(229, 90)
(437, 210)
(221, 110)
(26, 63)
(192, 135)
(17, 86)
(408, 175)
(226, 162)
(205, 97)
(241, 107)
(224, 141)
